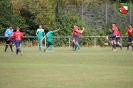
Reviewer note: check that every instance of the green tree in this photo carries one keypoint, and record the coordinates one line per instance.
(70, 2)
(42, 12)
(7, 18)
(17, 6)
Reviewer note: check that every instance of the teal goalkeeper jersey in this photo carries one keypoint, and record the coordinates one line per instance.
(40, 33)
(49, 35)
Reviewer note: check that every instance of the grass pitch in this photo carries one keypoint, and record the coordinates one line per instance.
(64, 68)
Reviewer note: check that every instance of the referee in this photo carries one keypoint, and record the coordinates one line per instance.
(8, 39)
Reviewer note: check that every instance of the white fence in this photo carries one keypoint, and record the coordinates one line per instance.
(70, 38)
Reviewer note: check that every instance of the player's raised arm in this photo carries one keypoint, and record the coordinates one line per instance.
(82, 30)
(111, 30)
(56, 30)
(126, 33)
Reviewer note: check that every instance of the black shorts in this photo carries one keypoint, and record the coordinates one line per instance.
(7, 40)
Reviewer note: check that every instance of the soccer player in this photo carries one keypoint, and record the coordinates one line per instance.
(113, 36)
(40, 33)
(8, 37)
(75, 38)
(13, 41)
(49, 38)
(118, 40)
(129, 32)
(18, 38)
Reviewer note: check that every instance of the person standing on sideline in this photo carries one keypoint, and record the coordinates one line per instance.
(40, 33)
(18, 38)
(76, 33)
(129, 32)
(49, 38)
(8, 37)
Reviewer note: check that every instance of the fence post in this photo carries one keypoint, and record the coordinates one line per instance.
(69, 42)
(130, 14)
(121, 40)
(94, 41)
(82, 11)
(106, 10)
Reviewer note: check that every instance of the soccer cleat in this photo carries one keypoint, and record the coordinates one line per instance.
(127, 48)
(115, 50)
(44, 50)
(106, 44)
(13, 45)
(40, 48)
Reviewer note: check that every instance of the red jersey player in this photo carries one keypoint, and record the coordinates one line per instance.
(75, 37)
(113, 36)
(129, 32)
(18, 38)
(118, 39)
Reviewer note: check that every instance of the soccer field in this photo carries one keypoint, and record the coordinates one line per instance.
(64, 68)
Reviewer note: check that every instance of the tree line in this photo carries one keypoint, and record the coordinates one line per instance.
(28, 14)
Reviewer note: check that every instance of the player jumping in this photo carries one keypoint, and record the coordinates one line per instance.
(40, 33)
(129, 32)
(113, 36)
(49, 38)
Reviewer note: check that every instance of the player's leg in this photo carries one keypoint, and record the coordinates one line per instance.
(107, 38)
(40, 43)
(118, 42)
(48, 45)
(51, 45)
(76, 43)
(7, 43)
(38, 40)
(13, 42)
(128, 43)
(78, 47)
(16, 43)
(120, 45)
(18, 49)
(73, 42)
(132, 42)
(11, 45)
(114, 43)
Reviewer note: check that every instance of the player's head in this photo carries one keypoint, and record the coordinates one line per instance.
(114, 24)
(130, 25)
(17, 29)
(40, 26)
(10, 27)
(75, 27)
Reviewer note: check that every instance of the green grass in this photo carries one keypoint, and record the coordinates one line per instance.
(64, 68)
